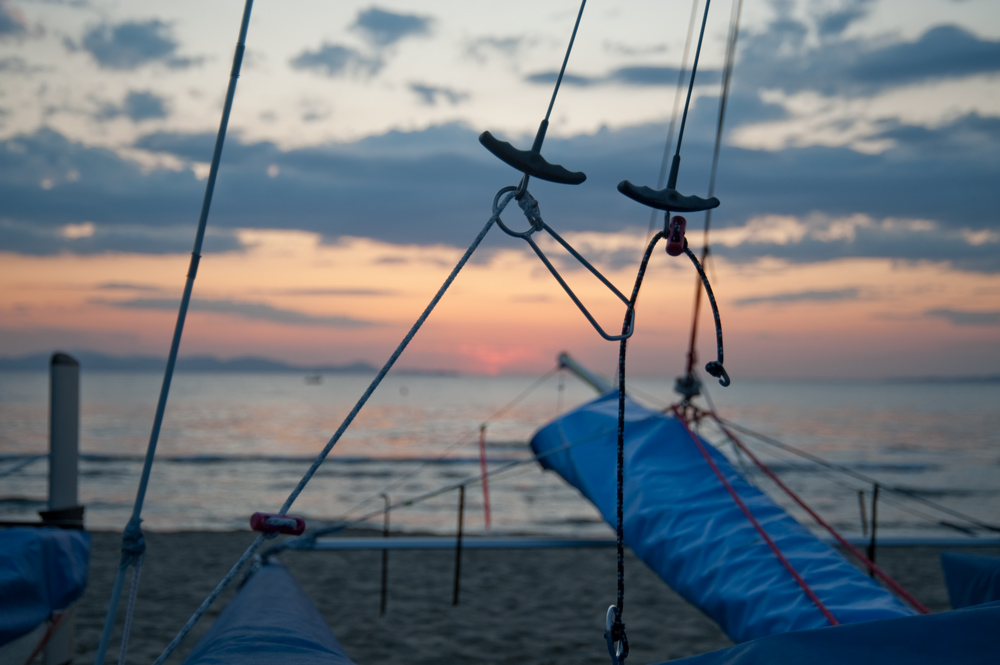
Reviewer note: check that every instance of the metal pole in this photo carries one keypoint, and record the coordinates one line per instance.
(64, 454)
(485, 475)
(871, 544)
(385, 557)
(458, 543)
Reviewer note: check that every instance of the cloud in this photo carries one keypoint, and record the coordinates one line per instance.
(925, 198)
(799, 297)
(637, 75)
(780, 57)
(137, 106)
(832, 24)
(964, 317)
(17, 65)
(132, 44)
(126, 286)
(365, 293)
(335, 60)
(12, 23)
(430, 95)
(247, 310)
(483, 48)
(383, 28)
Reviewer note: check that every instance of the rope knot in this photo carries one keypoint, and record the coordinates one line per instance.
(529, 206)
(614, 633)
(133, 542)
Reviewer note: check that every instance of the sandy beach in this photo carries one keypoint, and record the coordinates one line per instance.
(527, 606)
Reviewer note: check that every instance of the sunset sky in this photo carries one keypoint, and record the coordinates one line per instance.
(858, 234)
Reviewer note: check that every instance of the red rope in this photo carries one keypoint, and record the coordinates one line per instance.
(753, 520)
(893, 584)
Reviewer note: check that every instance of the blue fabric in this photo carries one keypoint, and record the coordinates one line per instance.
(680, 519)
(971, 578)
(41, 571)
(960, 637)
(270, 621)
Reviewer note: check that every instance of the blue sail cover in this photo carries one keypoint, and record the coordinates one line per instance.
(680, 519)
(960, 637)
(270, 621)
(42, 571)
(971, 578)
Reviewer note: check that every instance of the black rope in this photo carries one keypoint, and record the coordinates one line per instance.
(618, 627)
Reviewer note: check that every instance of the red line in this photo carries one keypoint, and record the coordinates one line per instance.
(893, 584)
(753, 520)
(482, 468)
(45, 639)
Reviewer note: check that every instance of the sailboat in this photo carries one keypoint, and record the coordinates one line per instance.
(726, 564)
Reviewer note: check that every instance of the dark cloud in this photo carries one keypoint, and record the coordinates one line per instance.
(622, 48)
(132, 44)
(964, 317)
(832, 24)
(383, 28)
(137, 106)
(126, 286)
(336, 60)
(435, 187)
(780, 57)
(16, 65)
(366, 293)
(431, 95)
(638, 75)
(12, 23)
(799, 297)
(247, 310)
(483, 48)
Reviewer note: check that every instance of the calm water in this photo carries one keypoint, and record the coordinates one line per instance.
(233, 444)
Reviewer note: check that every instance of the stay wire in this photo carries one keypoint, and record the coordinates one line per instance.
(694, 72)
(734, 31)
(136, 518)
(340, 431)
(662, 178)
(444, 454)
(863, 477)
(562, 70)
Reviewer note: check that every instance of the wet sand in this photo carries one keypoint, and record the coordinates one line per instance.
(516, 606)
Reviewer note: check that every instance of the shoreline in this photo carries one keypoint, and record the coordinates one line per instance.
(524, 606)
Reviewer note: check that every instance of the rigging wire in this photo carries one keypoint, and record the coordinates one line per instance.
(444, 453)
(661, 179)
(132, 541)
(497, 209)
(903, 492)
(727, 74)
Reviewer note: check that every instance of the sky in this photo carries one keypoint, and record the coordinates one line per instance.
(859, 176)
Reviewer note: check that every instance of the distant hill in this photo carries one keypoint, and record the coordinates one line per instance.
(93, 360)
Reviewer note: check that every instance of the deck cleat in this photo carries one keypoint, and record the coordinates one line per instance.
(292, 525)
(531, 162)
(668, 198)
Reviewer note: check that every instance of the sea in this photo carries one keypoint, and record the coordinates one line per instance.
(234, 443)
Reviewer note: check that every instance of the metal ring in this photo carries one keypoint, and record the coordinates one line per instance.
(496, 211)
(618, 652)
